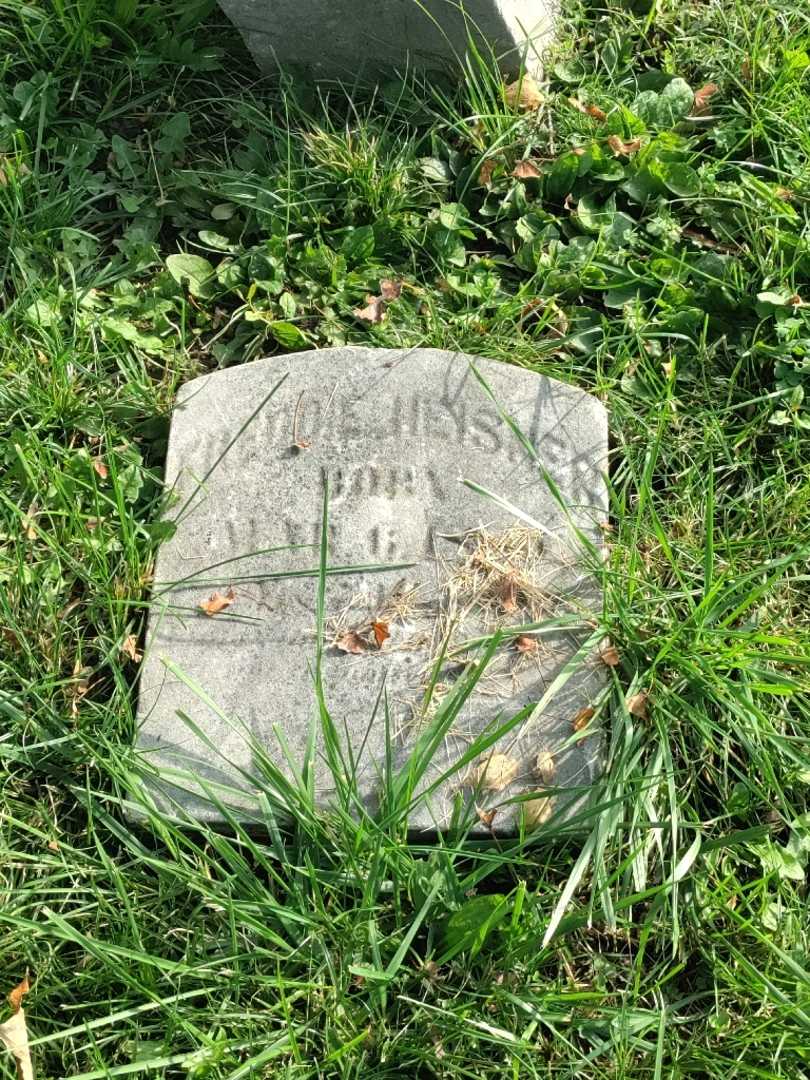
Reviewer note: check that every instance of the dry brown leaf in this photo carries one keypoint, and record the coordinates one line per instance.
(621, 148)
(29, 528)
(100, 468)
(486, 817)
(583, 718)
(524, 643)
(746, 69)
(637, 705)
(373, 312)
(130, 648)
(508, 594)
(536, 812)
(217, 603)
(497, 772)
(609, 654)
(381, 633)
(486, 171)
(703, 97)
(593, 111)
(524, 94)
(390, 289)
(351, 642)
(544, 766)
(14, 1033)
(526, 170)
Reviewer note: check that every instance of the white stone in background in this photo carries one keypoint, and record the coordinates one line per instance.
(347, 39)
(395, 432)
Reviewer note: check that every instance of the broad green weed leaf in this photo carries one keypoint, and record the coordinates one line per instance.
(193, 272)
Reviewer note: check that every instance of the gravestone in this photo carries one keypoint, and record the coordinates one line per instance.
(408, 442)
(350, 38)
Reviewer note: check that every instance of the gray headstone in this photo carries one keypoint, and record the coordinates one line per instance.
(350, 38)
(394, 433)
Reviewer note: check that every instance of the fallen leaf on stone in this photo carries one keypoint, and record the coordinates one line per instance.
(390, 290)
(14, 1033)
(508, 594)
(486, 817)
(524, 94)
(526, 170)
(526, 644)
(130, 648)
(100, 468)
(703, 97)
(487, 169)
(637, 705)
(381, 633)
(373, 312)
(621, 148)
(536, 812)
(583, 718)
(544, 766)
(218, 602)
(609, 654)
(351, 642)
(497, 772)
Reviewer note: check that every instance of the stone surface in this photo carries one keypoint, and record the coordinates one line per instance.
(350, 38)
(395, 433)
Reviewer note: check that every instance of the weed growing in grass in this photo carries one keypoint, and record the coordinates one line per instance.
(162, 213)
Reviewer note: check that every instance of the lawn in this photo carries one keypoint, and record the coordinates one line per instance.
(640, 228)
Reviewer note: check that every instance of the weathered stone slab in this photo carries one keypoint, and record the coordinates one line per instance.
(350, 38)
(394, 433)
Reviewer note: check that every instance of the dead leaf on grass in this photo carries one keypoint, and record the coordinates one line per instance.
(703, 97)
(524, 94)
(217, 603)
(526, 170)
(593, 111)
(497, 772)
(390, 290)
(14, 1033)
(373, 312)
(351, 642)
(609, 654)
(130, 648)
(621, 148)
(637, 705)
(486, 171)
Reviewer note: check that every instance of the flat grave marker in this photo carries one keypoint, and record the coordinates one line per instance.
(395, 434)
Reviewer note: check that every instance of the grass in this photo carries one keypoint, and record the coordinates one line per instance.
(672, 938)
